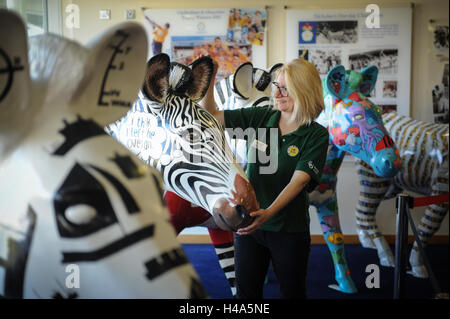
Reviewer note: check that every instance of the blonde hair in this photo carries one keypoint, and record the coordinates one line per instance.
(305, 87)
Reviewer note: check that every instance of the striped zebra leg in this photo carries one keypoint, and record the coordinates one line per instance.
(329, 222)
(372, 192)
(223, 242)
(428, 226)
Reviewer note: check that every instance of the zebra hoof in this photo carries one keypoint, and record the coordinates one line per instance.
(386, 259)
(419, 272)
(344, 280)
(366, 241)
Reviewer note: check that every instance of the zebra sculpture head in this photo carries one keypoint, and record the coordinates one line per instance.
(246, 87)
(80, 215)
(354, 122)
(170, 131)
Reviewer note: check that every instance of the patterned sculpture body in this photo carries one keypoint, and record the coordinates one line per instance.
(80, 215)
(424, 170)
(355, 126)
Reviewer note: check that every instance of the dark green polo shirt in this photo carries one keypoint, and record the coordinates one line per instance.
(272, 161)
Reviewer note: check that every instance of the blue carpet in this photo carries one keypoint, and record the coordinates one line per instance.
(321, 274)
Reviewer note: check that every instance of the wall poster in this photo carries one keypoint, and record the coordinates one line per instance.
(232, 36)
(330, 37)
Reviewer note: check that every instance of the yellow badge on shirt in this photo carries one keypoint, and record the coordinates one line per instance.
(292, 150)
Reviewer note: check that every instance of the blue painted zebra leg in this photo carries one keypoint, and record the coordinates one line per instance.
(329, 221)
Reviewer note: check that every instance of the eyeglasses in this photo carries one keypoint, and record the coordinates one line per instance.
(281, 89)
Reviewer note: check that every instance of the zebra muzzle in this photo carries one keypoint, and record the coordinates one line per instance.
(231, 217)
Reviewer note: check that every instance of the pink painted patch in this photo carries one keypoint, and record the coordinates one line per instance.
(354, 130)
(338, 136)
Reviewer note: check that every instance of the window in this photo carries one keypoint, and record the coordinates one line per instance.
(40, 16)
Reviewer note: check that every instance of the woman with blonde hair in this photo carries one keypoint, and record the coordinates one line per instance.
(280, 230)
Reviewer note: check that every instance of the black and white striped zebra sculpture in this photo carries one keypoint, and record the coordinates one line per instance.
(424, 169)
(168, 130)
(80, 215)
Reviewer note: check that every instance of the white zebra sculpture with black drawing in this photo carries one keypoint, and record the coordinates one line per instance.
(71, 197)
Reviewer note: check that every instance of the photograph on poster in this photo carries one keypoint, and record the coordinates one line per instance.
(340, 36)
(440, 98)
(388, 108)
(385, 59)
(389, 89)
(303, 54)
(441, 37)
(337, 32)
(324, 60)
(187, 34)
(227, 54)
(159, 33)
(246, 26)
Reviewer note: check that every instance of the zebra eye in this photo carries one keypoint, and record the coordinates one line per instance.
(192, 137)
(358, 117)
(80, 214)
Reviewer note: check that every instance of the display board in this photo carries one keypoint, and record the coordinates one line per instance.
(231, 36)
(351, 38)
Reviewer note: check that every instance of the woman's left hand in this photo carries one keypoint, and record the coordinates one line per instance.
(261, 216)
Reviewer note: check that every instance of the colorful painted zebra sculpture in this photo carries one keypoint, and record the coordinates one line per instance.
(355, 126)
(424, 170)
(167, 129)
(80, 215)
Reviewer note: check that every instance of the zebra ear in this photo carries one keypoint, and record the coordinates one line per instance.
(243, 80)
(369, 78)
(202, 70)
(261, 79)
(180, 78)
(335, 82)
(274, 70)
(16, 111)
(156, 81)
